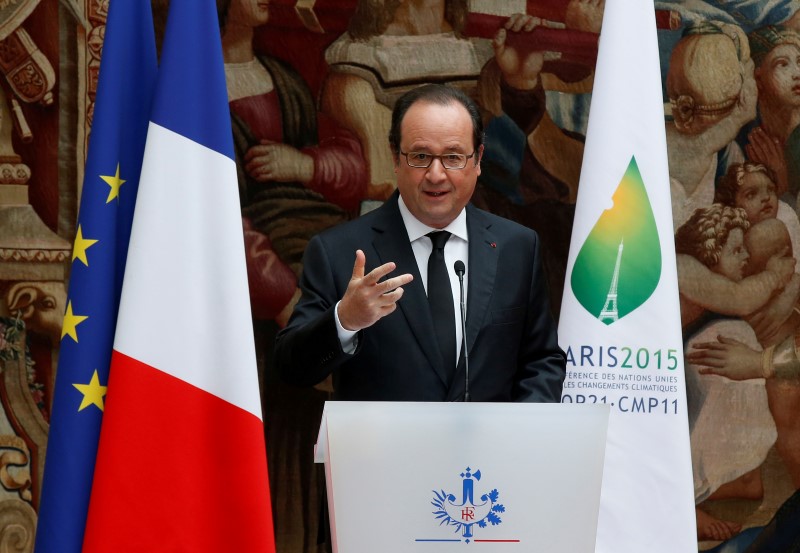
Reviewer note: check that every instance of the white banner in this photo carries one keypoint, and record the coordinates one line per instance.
(620, 317)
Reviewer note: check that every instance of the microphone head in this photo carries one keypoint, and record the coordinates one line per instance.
(459, 267)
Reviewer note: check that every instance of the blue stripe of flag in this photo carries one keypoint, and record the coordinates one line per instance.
(192, 57)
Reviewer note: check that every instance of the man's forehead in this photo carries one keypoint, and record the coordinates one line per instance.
(423, 119)
(423, 103)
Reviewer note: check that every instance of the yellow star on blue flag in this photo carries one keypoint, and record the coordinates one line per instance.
(115, 183)
(93, 393)
(80, 246)
(71, 322)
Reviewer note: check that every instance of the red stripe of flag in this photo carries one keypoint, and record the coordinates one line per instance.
(184, 443)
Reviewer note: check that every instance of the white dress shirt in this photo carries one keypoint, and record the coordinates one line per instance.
(455, 249)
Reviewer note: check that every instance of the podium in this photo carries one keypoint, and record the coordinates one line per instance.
(444, 477)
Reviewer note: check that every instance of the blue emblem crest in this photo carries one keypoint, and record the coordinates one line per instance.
(465, 511)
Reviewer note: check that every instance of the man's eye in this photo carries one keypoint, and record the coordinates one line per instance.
(418, 156)
(452, 157)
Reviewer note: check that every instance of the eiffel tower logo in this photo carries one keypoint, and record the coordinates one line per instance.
(609, 314)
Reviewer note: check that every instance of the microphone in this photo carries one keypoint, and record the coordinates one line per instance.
(460, 269)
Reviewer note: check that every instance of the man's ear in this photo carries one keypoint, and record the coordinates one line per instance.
(479, 155)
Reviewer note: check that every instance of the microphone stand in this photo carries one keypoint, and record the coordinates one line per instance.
(460, 269)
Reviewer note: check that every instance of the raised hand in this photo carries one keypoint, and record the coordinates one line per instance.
(368, 298)
(520, 66)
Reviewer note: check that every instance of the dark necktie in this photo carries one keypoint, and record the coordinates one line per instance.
(440, 298)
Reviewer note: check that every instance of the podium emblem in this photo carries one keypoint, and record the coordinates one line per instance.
(466, 510)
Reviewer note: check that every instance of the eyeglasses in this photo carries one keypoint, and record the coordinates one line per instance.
(423, 160)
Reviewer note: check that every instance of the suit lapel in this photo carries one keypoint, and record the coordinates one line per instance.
(392, 244)
(483, 256)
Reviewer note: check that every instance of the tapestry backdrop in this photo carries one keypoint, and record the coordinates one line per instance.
(311, 86)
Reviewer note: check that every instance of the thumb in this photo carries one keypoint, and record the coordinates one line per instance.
(358, 266)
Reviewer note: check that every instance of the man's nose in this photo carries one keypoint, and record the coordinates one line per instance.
(437, 172)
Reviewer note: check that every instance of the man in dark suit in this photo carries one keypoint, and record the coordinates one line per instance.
(348, 323)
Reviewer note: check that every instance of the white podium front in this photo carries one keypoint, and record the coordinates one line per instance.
(437, 477)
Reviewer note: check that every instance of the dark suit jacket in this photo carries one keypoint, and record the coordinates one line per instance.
(511, 336)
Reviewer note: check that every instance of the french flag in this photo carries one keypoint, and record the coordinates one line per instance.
(182, 463)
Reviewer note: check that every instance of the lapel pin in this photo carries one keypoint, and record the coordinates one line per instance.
(493, 244)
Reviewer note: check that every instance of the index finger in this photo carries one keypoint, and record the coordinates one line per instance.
(379, 272)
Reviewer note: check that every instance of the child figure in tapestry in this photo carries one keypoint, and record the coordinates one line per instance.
(712, 94)
(712, 269)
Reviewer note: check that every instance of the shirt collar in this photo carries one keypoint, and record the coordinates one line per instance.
(416, 229)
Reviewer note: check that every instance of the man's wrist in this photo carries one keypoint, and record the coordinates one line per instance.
(347, 338)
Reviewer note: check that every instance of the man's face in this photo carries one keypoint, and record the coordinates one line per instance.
(437, 195)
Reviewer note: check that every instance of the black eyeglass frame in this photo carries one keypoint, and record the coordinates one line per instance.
(440, 157)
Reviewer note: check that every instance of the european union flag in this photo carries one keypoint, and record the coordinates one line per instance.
(121, 117)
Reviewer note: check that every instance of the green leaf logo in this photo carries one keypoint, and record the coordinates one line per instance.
(619, 265)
